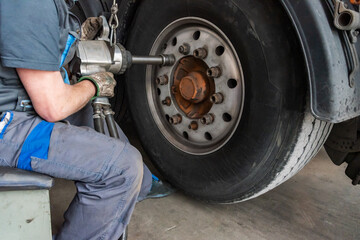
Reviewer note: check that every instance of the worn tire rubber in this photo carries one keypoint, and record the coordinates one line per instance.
(277, 134)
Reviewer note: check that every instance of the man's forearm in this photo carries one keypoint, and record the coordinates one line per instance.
(75, 98)
(52, 99)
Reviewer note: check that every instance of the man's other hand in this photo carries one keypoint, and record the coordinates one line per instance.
(90, 28)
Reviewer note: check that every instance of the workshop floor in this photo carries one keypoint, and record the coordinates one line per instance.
(318, 203)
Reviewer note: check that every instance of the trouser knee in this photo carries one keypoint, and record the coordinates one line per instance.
(126, 170)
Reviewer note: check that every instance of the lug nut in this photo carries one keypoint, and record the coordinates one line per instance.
(162, 80)
(174, 90)
(200, 53)
(176, 119)
(217, 98)
(208, 119)
(167, 101)
(184, 49)
(214, 72)
(193, 125)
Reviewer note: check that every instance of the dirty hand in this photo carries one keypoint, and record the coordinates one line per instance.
(90, 28)
(104, 83)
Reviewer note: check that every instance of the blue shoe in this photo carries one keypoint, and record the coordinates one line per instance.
(159, 189)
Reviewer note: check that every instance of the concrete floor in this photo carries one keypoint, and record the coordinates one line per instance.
(318, 203)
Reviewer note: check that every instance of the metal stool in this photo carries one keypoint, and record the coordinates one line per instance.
(24, 205)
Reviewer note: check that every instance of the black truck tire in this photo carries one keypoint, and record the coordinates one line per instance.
(276, 134)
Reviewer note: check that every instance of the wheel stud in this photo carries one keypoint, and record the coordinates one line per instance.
(162, 80)
(208, 119)
(200, 53)
(184, 49)
(217, 98)
(214, 72)
(167, 101)
(174, 90)
(193, 125)
(176, 119)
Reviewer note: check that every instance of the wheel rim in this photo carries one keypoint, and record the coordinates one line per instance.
(197, 103)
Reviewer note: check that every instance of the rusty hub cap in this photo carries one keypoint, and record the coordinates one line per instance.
(192, 88)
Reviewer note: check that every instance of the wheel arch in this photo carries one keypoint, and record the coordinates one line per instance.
(327, 58)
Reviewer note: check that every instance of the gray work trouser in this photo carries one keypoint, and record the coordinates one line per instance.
(109, 173)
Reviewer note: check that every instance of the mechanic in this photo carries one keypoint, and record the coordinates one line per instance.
(38, 38)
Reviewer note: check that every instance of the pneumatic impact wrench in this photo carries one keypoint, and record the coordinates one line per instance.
(93, 56)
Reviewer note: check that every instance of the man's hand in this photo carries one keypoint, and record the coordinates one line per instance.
(104, 82)
(90, 28)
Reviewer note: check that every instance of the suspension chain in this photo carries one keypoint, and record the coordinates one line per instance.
(113, 22)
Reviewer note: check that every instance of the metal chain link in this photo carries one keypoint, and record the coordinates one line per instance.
(113, 23)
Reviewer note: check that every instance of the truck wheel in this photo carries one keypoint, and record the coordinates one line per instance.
(229, 121)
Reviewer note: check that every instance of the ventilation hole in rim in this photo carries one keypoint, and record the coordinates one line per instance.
(167, 118)
(186, 135)
(232, 83)
(196, 35)
(159, 91)
(174, 41)
(220, 50)
(227, 117)
(208, 136)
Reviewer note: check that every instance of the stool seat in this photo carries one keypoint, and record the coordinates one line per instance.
(24, 205)
(17, 179)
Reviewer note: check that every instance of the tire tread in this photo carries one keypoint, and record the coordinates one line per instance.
(317, 136)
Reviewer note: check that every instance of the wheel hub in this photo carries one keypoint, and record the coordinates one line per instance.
(192, 88)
